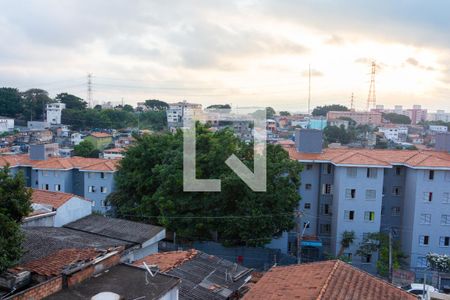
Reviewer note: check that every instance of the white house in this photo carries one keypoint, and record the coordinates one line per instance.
(438, 128)
(76, 138)
(55, 209)
(6, 124)
(393, 133)
(114, 153)
(54, 111)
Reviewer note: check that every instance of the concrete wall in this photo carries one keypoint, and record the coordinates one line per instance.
(53, 177)
(390, 200)
(94, 179)
(72, 210)
(171, 295)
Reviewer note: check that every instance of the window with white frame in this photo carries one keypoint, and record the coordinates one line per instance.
(446, 198)
(424, 240)
(427, 197)
(327, 189)
(371, 194)
(396, 190)
(372, 172)
(352, 172)
(45, 187)
(421, 262)
(425, 219)
(369, 216)
(91, 189)
(395, 211)
(349, 215)
(57, 187)
(350, 193)
(444, 241)
(103, 189)
(445, 219)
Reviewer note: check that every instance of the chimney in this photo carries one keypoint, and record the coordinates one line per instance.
(308, 140)
(442, 142)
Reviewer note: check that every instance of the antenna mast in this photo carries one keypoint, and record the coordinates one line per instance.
(372, 99)
(89, 90)
(352, 102)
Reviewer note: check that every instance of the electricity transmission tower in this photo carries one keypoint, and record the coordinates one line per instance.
(89, 89)
(372, 99)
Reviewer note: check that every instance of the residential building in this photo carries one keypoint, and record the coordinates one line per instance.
(178, 112)
(37, 125)
(6, 124)
(360, 117)
(271, 125)
(56, 209)
(438, 128)
(364, 191)
(416, 114)
(99, 139)
(442, 142)
(76, 138)
(439, 115)
(203, 276)
(54, 112)
(318, 123)
(331, 279)
(394, 133)
(114, 153)
(339, 123)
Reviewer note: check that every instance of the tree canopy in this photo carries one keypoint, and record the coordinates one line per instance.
(10, 102)
(15, 203)
(323, 110)
(156, 104)
(85, 149)
(71, 101)
(397, 118)
(150, 188)
(285, 113)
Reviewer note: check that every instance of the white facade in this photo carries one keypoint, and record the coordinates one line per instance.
(6, 124)
(54, 111)
(76, 138)
(393, 133)
(438, 128)
(178, 112)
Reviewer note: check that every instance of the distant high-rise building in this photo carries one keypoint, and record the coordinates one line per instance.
(54, 112)
(416, 114)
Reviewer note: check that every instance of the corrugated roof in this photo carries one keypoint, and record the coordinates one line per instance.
(324, 280)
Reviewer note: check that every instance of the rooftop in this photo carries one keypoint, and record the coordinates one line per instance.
(54, 199)
(331, 279)
(119, 229)
(100, 134)
(376, 157)
(202, 276)
(127, 281)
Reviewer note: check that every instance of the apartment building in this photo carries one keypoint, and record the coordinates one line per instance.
(91, 178)
(178, 112)
(360, 117)
(365, 191)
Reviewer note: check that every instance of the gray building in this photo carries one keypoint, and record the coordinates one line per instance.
(366, 191)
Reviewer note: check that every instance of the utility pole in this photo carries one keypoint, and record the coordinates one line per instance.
(309, 89)
(89, 90)
(298, 215)
(390, 255)
(352, 103)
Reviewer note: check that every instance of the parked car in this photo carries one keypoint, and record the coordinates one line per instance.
(418, 290)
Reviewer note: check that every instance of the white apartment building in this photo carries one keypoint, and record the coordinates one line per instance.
(54, 112)
(178, 112)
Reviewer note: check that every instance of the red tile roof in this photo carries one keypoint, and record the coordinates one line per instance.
(59, 163)
(100, 134)
(377, 157)
(166, 261)
(55, 263)
(55, 199)
(324, 280)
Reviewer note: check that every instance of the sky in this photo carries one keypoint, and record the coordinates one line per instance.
(244, 53)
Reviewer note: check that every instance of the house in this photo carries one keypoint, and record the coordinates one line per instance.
(76, 138)
(114, 153)
(144, 237)
(202, 276)
(360, 117)
(6, 124)
(56, 209)
(331, 279)
(177, 113)
(99, 139)
(54, 112)
(371, 190)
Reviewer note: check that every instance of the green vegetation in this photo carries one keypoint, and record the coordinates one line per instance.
(156, 104)
(85, 149)
(71, 101)
(15, 203)
(397, 118)
(347, 239)
(323, 110)
(150, 189)
(285, 113)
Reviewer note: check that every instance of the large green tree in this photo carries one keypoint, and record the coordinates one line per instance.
(10, 102)
(85, 149)
(156, 104)
(71, 101)
(323, 110)
(150, 188)
(34, 102)
(397, 118)
(15, 203)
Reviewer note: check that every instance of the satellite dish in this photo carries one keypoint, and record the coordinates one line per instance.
(106, 296)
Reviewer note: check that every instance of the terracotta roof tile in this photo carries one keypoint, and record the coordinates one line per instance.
(323, 280)
(376, 157)
(55, 199)
(100, 134)
(166, 261)
(56, 262)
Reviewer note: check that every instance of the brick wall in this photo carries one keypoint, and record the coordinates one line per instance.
(41, 290)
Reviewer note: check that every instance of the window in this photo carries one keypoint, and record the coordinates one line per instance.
(325, 228)
(424, 240)
(309, 167)
(307, 205)
(445, 219)
(371, 194)
(327, 168)
(45, 187)
(350, 193)
(395, 211)
(352, 172)
(369, 216)
(425, 219)
(421, 262)
(396, 190)
(325, 209)
(103, 189)
(444, 241)
(308, 186)
(431, 175)
(366, 259)
(371, 173)
(102, 175)
(427, 196)
(349, 215)
(57, 187)
(446, 198)
(398, 171)
(91, 189)
(327, 189)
